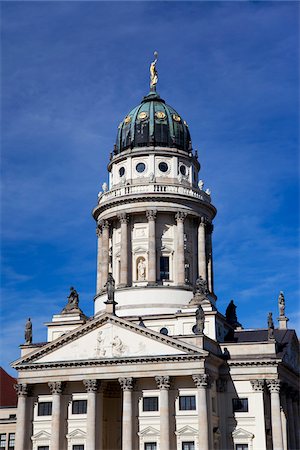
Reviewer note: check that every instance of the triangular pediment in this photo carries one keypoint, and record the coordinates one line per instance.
(186, 431)
(41, 436)
(76, 434)
(108, 337)
(240, 433)
(149, 431)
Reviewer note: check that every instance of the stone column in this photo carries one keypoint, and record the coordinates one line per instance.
(210, 273)
(201, 250)
(151, 216)
(105, 251)
(296, 418)
(201, 382)
(127, 419)
(290, 411)
(22, 425)
(221, 385)
(274, 388)
(163, 383)
(258, 387)
(180, 217)
(123, 218)
(56, 390)
(91, 388)
(99, 258)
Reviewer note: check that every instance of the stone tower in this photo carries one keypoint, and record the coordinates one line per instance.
(154, 221)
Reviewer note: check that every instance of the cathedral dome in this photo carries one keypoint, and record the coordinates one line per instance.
(153, 123)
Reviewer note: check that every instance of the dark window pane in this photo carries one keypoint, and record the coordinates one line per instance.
(140, 167)
(2, 441)
(11, 441)
(44, 409)
(150, 446)
(188, 445)
(164, 268)
(122, 171)
(43, 447)
(183, 170)
(241, 447)
(240, 404)
(163, 167)
(79, 406)
(150, 404)
(78, 447)
(187, 402)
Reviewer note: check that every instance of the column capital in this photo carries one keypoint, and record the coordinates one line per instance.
(99, 231)
(126, 383)
(90, 385)
(258, 385)
(105, 224)
(180, 216)
(21, 389)
(56, 387)
(273, 386)
(163, 382)
(201, 380)
(123, 217)
(221, 384)
(151, 214)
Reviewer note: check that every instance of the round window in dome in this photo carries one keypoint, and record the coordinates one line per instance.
(163, 167)
(183, 170)
(140, 167)
(122, 171)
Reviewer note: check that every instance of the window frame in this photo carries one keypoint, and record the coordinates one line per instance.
(11, 447)
(39, 407)
(76, 401)
(148, 398)
(164, 272)
(244, 402)
(183, 443)
(3, 439)
(183, 398)
(152, 444)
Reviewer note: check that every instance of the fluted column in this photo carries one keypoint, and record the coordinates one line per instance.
(127, 385)
(123, 218)
(151, 216)
(163, 383)
(274, 388)
(291, 429)
(258, 387)
(283, 411)
(296, 418)
(22, 426)
(201, 382)
(105, 251)
(180, 217)
(56, 390)
(201, 250)
(91, 388)
(210, 273)
(99, 258)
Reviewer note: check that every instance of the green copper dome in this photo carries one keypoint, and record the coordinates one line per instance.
(153, 123)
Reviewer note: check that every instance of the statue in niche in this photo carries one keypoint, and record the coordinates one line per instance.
(28, 332)
(73, 301)
(270, 327)
(141, 270)
(110, 287)
(281, 304)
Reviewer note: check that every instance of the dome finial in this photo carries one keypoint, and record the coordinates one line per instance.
(153, 73)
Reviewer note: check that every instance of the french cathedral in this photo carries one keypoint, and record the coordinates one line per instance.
(157, 367)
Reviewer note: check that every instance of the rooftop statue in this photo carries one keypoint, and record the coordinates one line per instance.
(73, 301)
(270, 326)
(110, 287)
(281, 304)
(28, 332)
(153, 73)
(201, 286)
(231, 316)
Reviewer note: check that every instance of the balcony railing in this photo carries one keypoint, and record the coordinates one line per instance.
(153, 189)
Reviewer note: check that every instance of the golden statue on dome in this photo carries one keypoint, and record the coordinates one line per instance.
(153, 73)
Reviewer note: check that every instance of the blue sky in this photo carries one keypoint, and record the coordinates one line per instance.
(72, 70)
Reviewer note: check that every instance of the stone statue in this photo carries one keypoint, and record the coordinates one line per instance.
(208, 192)
(231, 316)
(110, 287)
(28, 332)
(141, 270)
(281, 304)
(201, 184)
(104, 187)
(200, 286)
(153, 73)
(200, 318)
(73, 301)
(270, 326)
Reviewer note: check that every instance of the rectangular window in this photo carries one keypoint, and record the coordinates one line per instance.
(2, 441)
(11, 441)
(44, 408)
(188, 445)
(150, 446)
(187, 403)
(164, 268)
(43, 447)
(241, 447)
(79, 406)
(240, 404)
(150, 404)
(78, 447)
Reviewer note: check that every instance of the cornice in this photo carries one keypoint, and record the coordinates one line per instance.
(268, 362)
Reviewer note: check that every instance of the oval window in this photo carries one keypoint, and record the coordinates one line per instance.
(122, 171)
(183, 170)
(140, 167)
(163, 167)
